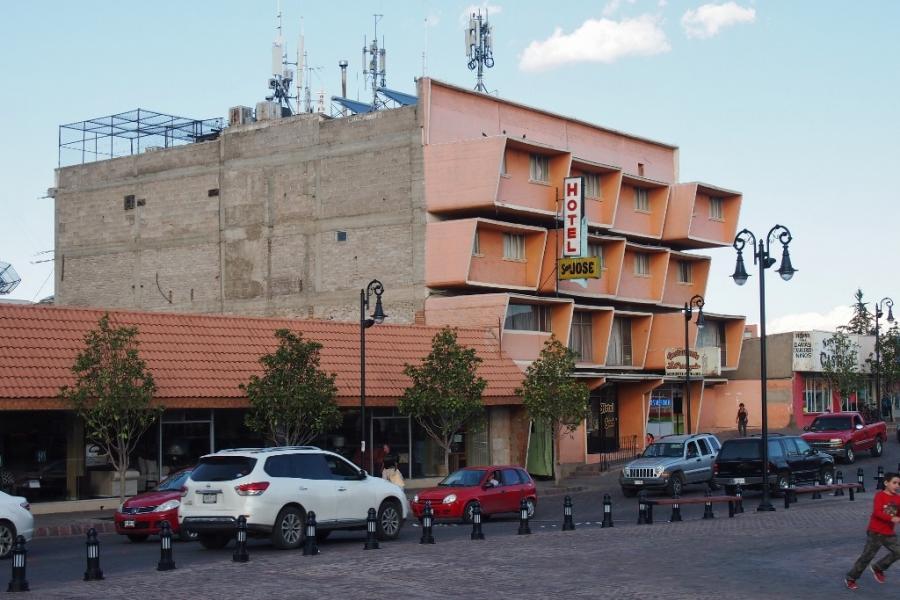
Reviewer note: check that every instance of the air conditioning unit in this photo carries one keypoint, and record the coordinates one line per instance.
(267, 111)
(240, 115)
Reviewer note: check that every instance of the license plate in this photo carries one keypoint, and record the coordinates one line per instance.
(127, 523)
(209, 498)
(739, 480)
(34, 483)
(638, 482)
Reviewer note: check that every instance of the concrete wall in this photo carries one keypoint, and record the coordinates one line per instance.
(266, 244)
(720, 404)
(779, 358)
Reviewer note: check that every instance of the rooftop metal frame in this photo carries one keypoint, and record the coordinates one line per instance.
(126, 133)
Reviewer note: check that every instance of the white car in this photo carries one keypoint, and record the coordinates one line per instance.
(15, 520)
(274, 488)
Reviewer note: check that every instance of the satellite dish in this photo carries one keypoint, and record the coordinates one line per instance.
(9, 279)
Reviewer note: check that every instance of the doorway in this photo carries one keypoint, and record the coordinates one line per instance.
(395, 431)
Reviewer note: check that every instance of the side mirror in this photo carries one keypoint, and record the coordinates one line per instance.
(858, 426)
(486, 485)
(806, 428)
(362, 474)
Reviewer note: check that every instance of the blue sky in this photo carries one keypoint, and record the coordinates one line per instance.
(795, 104)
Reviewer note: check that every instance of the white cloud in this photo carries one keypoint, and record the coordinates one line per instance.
(484, 7)
(602, 40)
(840, 315)
(613, 5)
(432, 20)
(662, 3)
(707, 20)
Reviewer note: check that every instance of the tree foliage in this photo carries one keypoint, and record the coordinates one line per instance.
(551, 395)
(840, 364)
(294, 400)
(862, 322)
(113, 393)
(889, 367)
(445, 394)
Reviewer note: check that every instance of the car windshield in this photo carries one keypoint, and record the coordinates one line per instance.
(463, 478)
(222, 468)
(831, 424)
(173, 483)
(669, 449)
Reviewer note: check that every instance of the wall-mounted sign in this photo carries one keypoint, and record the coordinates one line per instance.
(811, 347)
(587, 267)
(573, 210)
(703, 361)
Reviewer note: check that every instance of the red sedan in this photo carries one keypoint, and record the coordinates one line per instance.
(499, 489)
(140, 516)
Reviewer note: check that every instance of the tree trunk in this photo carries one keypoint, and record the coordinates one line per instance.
(446, 469)
(554, 445)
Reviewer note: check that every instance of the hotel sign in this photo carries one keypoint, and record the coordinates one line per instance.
(702, 361)
(587, 267)
(573, 211)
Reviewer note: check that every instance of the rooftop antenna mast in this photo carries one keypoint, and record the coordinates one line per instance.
(373, 59)
(479, 47)
(302, 76)
(282, 74)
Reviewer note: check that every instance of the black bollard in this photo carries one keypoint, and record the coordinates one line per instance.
(642, 508)
(427, 523)
(240, 537)
(740, 499)
(851, 490)
(165, 548)
(839, 480)
(789, 491)
(607, 512)
(731, 509)
(371, 530)
(477, 534)
(93, 572)
(879, 479)
(524, 529)
(860, 480)
(310, 545)
(816, 495)
(707, 508)
(568, 521)
(676, 510)
(18, 583)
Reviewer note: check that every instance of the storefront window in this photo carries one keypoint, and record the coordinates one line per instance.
(33, 460)
(816, 395)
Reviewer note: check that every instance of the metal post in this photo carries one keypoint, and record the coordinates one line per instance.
(607, 512)
(860, 480)
(362, 381)
(18, 583)
(879, 479)
(93, 572)
(707, 508)
(676, 510)
(310, 545)
(687, 367)
(740, 499)
(765, 504)
(371, 525)
(524, 529)
(568, 521)
(817, 495)
(240, 549)
(165, 548)
(839, 479)
(477, 534)
(427, 522)
(642, 508)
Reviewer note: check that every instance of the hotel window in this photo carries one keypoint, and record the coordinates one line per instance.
(592, 186)
(620, 343)
(715, 209)
(476, 245)
(581, 340)
(641, 264)
(641, 199)
(596, 250)
(527, 317)
(713, 336)
(816, 395)
(540, 168)
(514, 246)
(685, 271)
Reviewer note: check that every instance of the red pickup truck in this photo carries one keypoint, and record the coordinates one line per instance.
(844, 434)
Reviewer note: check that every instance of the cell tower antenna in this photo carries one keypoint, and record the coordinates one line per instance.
(373, 59)
(479, 47)
(282, 74)
(301, 65)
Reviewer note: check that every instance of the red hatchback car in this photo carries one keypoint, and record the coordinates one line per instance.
(499, 489)
(140, 516)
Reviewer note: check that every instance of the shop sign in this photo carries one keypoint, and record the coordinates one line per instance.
(587, 267)
(811, 348)
(703, 361)
(573, 211)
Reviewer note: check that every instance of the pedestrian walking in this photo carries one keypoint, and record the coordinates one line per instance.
(879, 533)
(392, 473)
(741, 419)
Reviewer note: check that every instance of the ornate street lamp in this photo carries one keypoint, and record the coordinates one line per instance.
(377, 318)
(697, 301)
(879, 312)
(761, 256)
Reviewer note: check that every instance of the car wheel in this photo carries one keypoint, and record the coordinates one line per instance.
(137, 539)
(676, 484)
(389, 520)
(289, 530)
(629, 492)
(467, 512)
(851, 455)
(531, 506)
(878, 448)
(7, 538)
(213, 541)
(783, 481)
(826, 476)
(187, 536)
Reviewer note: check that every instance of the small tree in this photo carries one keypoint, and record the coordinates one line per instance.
(445, 395)
(839, 365)
(113, 393)
(294, 400)
(862, 322)
(889, 366)
(552, 396)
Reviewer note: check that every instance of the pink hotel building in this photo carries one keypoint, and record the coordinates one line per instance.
(453, 204)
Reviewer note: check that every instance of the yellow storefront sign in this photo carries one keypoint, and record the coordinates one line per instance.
(586, 267)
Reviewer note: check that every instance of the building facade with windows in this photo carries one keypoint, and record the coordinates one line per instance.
(454, 204)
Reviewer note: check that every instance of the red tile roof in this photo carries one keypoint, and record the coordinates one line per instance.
(199, 360)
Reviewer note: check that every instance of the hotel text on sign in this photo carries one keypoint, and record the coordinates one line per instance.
(573, 208)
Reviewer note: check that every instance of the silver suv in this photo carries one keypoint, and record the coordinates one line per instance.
(671, 463)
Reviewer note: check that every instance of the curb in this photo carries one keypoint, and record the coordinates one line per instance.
(73, 529)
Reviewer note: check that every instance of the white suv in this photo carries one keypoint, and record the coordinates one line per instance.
(275, 487)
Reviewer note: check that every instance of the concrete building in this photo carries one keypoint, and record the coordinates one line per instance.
(453, 203)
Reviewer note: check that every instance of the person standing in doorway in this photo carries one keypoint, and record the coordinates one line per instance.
(741, 419)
